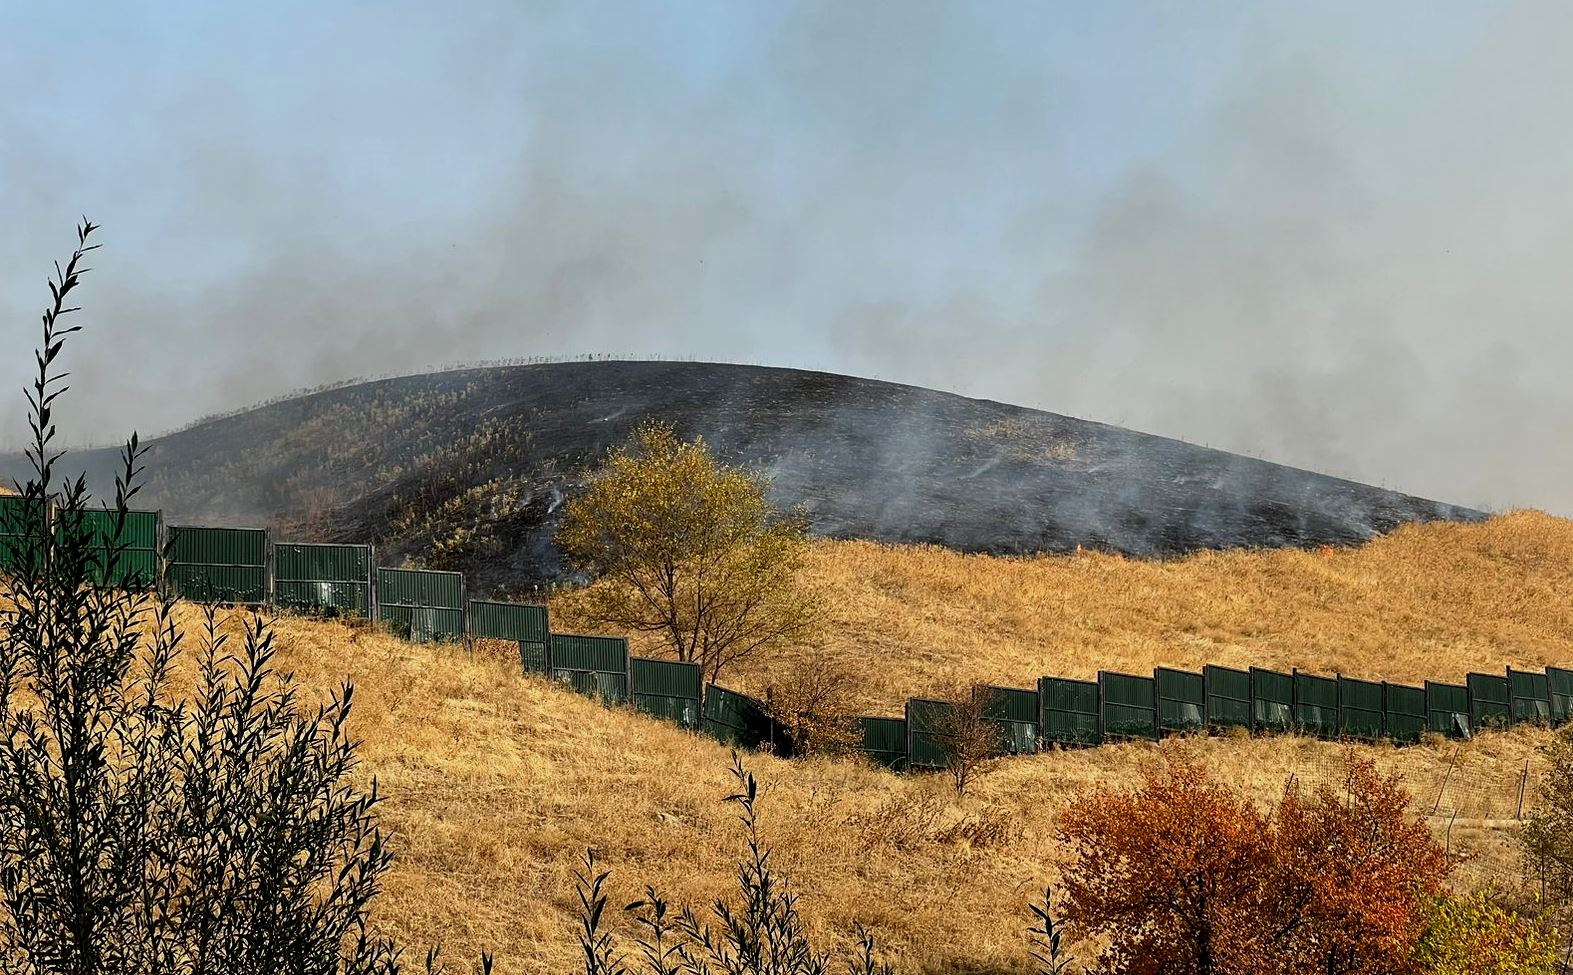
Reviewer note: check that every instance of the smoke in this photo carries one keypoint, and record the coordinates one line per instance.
(1331, 237)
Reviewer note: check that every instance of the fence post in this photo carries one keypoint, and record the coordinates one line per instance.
(1523, 783)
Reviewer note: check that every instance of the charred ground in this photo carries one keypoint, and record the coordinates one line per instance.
(468, 469)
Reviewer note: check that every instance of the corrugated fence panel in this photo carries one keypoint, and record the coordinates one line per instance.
(1015, 710)
(1228, 697)
(1360, 708)
(309, 577)
(1490, 705)
(1182, 700)
(1130, 706)
(1404, 710)
(592, 665)
(1561, 694)
(1531, 696)
(667, 689)
(1447, 709)
(738, 719)
(1070, 711)
(1272, 700)
(426, 606)
(521, 623)
(1316, 705)
(135, 562)
(218, 565)
(929, 737)
(885, 741)
(22, 526)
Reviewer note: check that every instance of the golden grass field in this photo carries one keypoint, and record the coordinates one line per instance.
(496, 782)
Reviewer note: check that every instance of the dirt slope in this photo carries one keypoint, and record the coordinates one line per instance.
(467, 469)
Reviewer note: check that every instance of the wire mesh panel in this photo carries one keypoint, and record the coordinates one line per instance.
(424, 606)
(1070, 712)
(23, 523)
(1447, 709)
(1404, 711)
(667, 689)
(1130, 706)
(1272, 700)
(1490, 705)
(596, 666)
(1316, 705)
(885, 741)
(218, 565)
(1530, 696)
(1227, 695)
(930, 735)
(1360, 708)
(1015, 710)
(127, 559)
(737, 719)
(317, 578)
(522, 623)
(1182, 700)
(1561, 682)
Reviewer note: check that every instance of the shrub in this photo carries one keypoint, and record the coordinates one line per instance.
(140, 833)
(1473, 936)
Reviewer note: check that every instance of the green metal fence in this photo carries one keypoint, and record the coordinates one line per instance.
(1272, 700)
(520, 623)
(218, 565)
(125, 559)
(738, 719)
(426, 606)
(1070, 712)
(1129, 706)
(1490, 705)
(1404, 710)
(884, 741)
(668, 689)
(593, 665)
(1530, 696)
(22, 527)
(1447, 709)
(1561, 693)
(1016, 712)
(310, 577)
(1316, 705)
(930, 733)
(1360, 708)
(1228, 697)
(1182, 700)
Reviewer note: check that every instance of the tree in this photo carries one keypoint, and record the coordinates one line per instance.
(1169, 875)
(1184, 876)
(969, 735)
(144, 834)
(815, 703)
(1547, 835)
(1351, 876)
(1473, 936)
(685, 547)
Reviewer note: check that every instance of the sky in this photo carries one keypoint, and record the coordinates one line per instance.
(1332, 235)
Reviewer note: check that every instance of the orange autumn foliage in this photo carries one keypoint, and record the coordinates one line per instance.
(1183, 877)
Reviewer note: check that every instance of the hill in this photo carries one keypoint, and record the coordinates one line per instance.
(467, 469)
(496, 781)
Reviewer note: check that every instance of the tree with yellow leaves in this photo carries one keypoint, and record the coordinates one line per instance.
(682, 545)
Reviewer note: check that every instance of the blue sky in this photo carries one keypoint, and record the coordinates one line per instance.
(1333, 235)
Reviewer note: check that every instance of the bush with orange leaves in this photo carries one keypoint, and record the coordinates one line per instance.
(1183, 877)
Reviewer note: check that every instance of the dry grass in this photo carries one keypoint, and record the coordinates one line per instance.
(495, 782)
(1428, 601)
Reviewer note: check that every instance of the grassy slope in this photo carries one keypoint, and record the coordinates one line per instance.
(496, 782)
(1428, 601)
